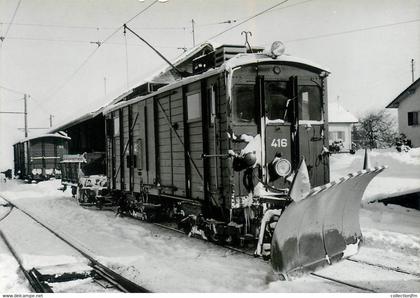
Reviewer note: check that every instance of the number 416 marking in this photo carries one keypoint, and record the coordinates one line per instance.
(279, 143)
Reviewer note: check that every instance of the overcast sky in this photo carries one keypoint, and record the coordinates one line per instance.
(367, 44)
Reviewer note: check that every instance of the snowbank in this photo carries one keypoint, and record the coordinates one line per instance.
(401, 177)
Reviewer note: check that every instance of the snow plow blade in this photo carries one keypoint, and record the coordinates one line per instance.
(323, 227)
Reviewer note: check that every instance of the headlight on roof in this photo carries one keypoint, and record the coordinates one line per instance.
(277, 49)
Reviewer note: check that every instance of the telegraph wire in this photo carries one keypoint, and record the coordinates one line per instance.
(352, 30)
(76, 27)
(79, 41)
(47, 39)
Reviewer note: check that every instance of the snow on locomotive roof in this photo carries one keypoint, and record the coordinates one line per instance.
(55, 135)
(243, 59)
(236, 61)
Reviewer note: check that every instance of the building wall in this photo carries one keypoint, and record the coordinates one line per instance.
(340, 131)
(410, 104)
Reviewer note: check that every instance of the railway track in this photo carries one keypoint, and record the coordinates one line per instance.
(41, 278)
(317, 275)
(416, 275)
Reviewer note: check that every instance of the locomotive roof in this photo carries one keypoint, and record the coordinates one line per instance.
(47, 135)
(236, 61)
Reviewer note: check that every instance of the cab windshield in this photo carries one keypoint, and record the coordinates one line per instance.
(278, 103)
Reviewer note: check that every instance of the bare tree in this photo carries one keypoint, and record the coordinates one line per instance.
(375, 130)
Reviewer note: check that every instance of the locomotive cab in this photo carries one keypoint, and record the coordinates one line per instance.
(278, 117)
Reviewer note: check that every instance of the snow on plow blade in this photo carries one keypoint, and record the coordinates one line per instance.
(321, 228)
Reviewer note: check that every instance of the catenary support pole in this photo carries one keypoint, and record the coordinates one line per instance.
(25, 114)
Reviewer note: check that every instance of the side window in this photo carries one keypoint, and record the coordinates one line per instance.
(243, 103)
(310, 103)
(109, 128)
(193, 107)
(116, 126)
(413, 118)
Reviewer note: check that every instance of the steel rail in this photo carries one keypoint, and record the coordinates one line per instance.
(384, 267)
(317, 275)
(7, 212)
(342, 282)
(36, 285)
(124, 284)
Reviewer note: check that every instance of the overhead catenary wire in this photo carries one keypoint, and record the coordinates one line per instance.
(11, 21)
(86, 60)
(250, 18)
(270, 9)
(352, 30)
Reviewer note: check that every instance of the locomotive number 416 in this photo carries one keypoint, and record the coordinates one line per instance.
(279, 143)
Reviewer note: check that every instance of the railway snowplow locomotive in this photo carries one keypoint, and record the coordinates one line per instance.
(233, 152)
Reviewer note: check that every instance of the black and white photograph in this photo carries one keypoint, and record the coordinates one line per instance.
(209, 146)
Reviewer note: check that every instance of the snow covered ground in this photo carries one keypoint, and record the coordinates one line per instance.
(401, 177)
(12, 279)
(164, 261)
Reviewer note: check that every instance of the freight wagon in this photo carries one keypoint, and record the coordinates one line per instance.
(38, 158)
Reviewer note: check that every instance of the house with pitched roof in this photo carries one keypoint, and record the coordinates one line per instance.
(340, 123)
(408, 105)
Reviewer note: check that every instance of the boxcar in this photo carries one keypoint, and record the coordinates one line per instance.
(228, 140)
(38, 158)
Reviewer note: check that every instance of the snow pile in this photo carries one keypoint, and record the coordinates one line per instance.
(28, 190)
(392, 240)
(401, 177)
(411, 157)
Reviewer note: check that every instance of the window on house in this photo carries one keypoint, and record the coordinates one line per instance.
(413, 118)
(337, 136)
(193, 107)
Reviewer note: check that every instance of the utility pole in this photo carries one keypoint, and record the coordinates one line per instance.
(51, 123)
(25, 113)
(193, 31)
(412, 70)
